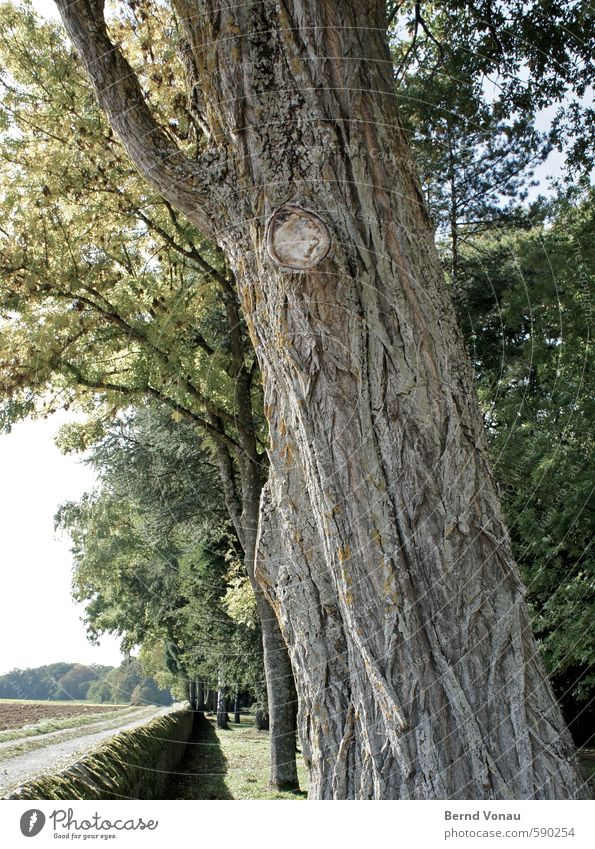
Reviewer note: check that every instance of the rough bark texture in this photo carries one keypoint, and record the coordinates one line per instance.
(281, 700)
(393, 582)
(186, 184)
(277, 666)
(261, 720)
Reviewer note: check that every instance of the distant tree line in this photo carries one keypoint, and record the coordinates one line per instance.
(124, 684)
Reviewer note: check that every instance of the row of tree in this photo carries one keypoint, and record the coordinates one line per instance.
(157, 563)
(124, 684)
(117, 304)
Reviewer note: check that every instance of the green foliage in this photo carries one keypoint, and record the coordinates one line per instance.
(239, 601)
(148, 693)
(105, 294)
(524, 300)
(525, 55)
(472, 153)
(55, 682)
(76, 682)
(152, 551)
(127, 682)
(100, 692)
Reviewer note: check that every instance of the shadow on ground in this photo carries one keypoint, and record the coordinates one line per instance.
(201, 774)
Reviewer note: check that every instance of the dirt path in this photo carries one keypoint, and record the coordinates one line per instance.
(57, 756)
(98, 724)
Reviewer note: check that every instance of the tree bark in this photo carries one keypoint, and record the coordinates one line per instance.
(395, 588)
(183, 183)
(261, 720)
(192, 693)
(453, 215)
(277, 665)
(222, 718)
(236, 707)
(281, 701)
(212, 701)
(245, 517)
(200, 696)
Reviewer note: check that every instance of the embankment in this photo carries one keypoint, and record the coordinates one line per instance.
(134, 764)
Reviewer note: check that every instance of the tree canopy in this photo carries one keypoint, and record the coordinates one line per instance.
(156, 561)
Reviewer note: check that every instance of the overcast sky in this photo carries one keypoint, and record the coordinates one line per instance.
(39, 621)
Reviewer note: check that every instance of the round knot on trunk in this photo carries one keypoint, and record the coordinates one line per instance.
(297, 238)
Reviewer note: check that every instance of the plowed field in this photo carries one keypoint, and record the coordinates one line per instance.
(17, 714)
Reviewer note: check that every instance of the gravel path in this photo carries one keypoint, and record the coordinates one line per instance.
(58, 756)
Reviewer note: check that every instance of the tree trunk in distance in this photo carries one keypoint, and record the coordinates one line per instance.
(200, 696)
(404, 612)
(236, 707)
(281, 694)
(222, 717)
(212, 702)
(261, 720)
(192, 693)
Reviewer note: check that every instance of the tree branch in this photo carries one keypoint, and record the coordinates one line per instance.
(179, 179)
(232, 499)
(219, 435)
(110, 313)
(392, 13)
(189, 253)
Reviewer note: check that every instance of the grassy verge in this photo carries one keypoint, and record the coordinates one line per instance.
(232, 764)
(29, 744)
(44, 726)
(133, 764)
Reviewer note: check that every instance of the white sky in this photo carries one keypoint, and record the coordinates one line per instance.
(47, 8)
(39, 622)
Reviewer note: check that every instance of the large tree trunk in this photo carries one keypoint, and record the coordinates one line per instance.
(281, 702)
(281, 694)
(395, 586)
